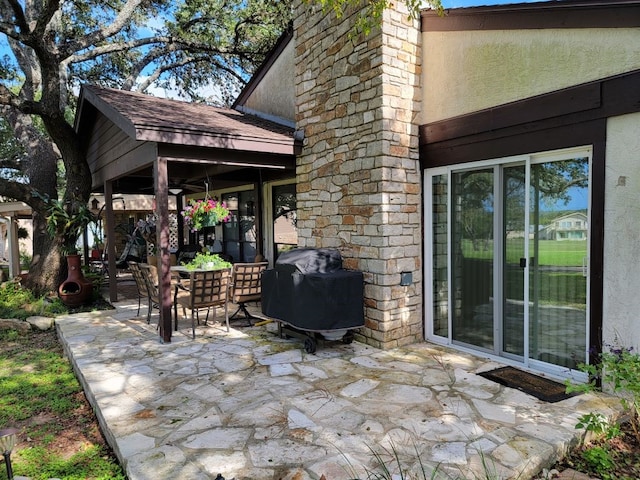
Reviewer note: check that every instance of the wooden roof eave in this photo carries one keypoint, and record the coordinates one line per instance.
(87, 96)
(246, 143)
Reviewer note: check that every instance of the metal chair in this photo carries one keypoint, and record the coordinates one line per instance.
(150, 276)
(246, 286)
(206, 289)
(141, 284)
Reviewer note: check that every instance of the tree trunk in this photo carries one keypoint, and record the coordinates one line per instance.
(48, 268)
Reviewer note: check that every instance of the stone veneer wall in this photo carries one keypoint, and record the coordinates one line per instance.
(358, 177)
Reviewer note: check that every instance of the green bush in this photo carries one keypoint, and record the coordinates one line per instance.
(617, 372)
(208, 261)
(19, 303)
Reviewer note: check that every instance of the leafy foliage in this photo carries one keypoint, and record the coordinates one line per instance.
(618, 371)
(371, 15)
(19, 303)
(207, 261)
(67, 221)
(205, 213)
(189, 47)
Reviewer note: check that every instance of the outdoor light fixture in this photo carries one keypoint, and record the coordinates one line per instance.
(175, 191)
(7, 442)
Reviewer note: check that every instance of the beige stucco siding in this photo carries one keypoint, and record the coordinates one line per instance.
(621, 302)
(473, 70)
(275, 95)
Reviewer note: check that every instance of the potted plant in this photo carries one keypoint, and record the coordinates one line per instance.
(207, 261)
(205, 213)
(68, 224)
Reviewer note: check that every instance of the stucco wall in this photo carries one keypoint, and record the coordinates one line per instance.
(474, 70)
(274, 95)
(621, 303)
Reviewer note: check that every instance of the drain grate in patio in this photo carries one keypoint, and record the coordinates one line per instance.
(534, 385)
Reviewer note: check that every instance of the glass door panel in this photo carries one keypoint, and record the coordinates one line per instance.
(440, 255)
(558, 278)
(285, 229)
(472, 261)
(514, 260)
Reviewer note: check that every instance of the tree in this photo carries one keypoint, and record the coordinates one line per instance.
(56, 45)
(371, 14)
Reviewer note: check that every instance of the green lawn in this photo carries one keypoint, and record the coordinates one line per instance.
(41, 397)
(569, 253)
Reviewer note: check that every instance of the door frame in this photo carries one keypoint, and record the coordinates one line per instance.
(498, 165)
(268, 236)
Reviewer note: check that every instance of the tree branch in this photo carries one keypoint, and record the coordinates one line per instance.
(159, 71)
(116, 26)
(45, 15)
(18, 12)
(115, 48)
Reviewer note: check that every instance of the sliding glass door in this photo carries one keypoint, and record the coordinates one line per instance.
(508, 245)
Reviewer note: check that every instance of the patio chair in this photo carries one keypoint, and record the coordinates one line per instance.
(141, 284)
(150, 276)
(206, 289)
(246, 286)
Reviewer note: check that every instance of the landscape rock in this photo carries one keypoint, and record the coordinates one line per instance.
(41, 323)
(12, 324)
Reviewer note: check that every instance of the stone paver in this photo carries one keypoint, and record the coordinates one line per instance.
(250, 405)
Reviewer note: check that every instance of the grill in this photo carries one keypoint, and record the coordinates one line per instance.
(313, 297)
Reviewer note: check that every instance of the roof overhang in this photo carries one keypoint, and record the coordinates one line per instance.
(198, 141)
(15, 209)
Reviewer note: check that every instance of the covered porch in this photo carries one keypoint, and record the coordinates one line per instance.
(141, 144)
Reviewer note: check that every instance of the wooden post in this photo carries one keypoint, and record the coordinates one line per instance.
(111, 241)
(162, 242)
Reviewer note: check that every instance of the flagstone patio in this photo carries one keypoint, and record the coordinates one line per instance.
(248, 404)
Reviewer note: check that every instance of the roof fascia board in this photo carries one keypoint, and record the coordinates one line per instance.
(222, 156)
(255, 144)
(543, 15)
(12, 209)
(107, 110)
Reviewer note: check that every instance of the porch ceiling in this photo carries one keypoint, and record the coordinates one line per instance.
(126, 132)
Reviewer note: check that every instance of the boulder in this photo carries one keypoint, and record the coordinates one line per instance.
(40, 323)
(12, 324)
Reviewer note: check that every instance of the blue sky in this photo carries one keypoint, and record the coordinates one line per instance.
(475, 3)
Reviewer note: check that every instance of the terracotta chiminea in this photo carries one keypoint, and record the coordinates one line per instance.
(75, 290)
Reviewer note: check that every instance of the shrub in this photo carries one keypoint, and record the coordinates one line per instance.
(20, 303)
(618, 372)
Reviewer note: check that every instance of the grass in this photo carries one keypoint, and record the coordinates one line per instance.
(58, 433)
(566, 253)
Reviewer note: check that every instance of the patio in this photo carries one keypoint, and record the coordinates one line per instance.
(250, 405)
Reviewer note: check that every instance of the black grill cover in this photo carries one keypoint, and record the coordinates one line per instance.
(309, 289)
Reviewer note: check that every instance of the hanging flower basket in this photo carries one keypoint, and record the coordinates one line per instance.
(205, 213)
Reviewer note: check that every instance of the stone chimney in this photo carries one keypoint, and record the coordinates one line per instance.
(359, 179)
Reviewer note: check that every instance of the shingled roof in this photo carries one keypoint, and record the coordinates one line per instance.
(147, 118)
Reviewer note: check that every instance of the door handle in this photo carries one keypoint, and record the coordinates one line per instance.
(585, 266)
